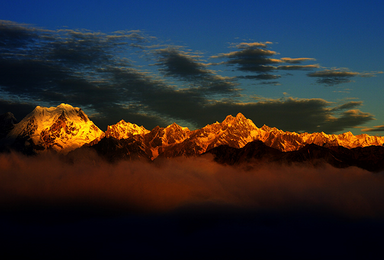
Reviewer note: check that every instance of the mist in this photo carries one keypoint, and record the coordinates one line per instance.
(171, 183)
(186, 201)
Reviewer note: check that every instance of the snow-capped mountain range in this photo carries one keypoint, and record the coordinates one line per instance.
(65, 128)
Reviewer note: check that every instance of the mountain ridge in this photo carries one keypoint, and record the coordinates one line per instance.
(65, 128)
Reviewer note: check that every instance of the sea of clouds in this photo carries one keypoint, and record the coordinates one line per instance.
(176, 205)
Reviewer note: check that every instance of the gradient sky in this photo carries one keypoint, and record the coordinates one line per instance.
(299, 66)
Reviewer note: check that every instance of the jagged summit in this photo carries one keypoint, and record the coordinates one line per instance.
(176, 126)
(237, 119)
(62, 128)
(124, 130)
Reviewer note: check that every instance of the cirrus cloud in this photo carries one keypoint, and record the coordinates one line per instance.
(379, 128)
(331, 77)
(187, 67)
(255, 58)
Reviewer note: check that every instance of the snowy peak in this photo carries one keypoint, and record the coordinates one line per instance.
(124, 130)
(239, 120)
(233, 131)
(62, 128)
(160, 138)
(175, 134)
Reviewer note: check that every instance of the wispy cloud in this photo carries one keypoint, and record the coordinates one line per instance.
(298, 67)
(181, 64)
(347, 105)
(92, 70)
(333, 77)
(296, 60)
(185, 66)
(264, 76)
(256, 58)
(379, 128)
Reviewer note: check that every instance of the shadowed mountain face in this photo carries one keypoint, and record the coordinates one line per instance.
(114, 149)
(368, 158)
(7, 123)
(235, 140)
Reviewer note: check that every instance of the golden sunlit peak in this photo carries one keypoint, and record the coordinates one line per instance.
(65, 106)
(240, 115)
(174, 125)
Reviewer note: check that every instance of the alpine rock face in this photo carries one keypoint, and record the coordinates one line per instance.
(124, 130)
(62, 128)
(162, 139)
(291, 141)
(236, 133)
(130, 141)
(233, 131)
(65, 128)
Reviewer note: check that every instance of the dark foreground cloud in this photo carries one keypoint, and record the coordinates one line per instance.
(181, 182)
(187, 208)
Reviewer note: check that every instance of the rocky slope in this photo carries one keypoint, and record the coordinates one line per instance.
(62, 128)
(235, 132)
(65, 128)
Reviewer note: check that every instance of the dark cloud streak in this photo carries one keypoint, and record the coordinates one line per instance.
(260, 76)
(185, 66)
(256, 58)
(332, 77)
(91, 70)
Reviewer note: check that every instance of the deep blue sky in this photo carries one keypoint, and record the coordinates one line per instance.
(338, 87)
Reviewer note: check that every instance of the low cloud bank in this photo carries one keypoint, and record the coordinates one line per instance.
(186, 208)
(177, 183)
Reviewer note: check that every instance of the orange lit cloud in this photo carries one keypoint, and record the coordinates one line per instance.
(298, 67)
(296, 60)
(245, 45)
(379, 128)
